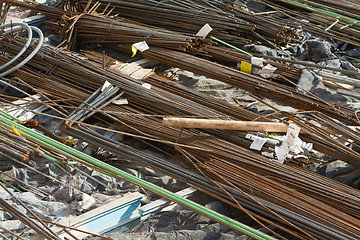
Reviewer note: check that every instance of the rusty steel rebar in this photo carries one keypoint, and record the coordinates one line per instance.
(89, 75)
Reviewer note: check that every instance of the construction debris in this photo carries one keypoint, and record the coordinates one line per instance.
(245, 112)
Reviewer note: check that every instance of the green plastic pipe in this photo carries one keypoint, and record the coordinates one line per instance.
(43, 154)
(57, 146)
(352, 58)
(232, 46)
(8, 116)
(12, 186)
(52, 159)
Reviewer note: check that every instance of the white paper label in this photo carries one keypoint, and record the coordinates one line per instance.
(146, 85)
(105, 86)
(281, 152)
(268, 154)
(307, 146)
(267, 71)
(257, 61)
(258, 143)
(292, 135)
(141, 46)
(204, 31)
(248, 136)
(121, 101)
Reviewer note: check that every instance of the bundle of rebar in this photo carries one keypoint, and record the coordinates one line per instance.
(323, 144)
(272, 27)
(233, 57)
(232, 22)
(5, 6)
(253, 84)
(7, 121)
(14, 146)
(336, 20)
(233, 196)
(302, 203)
(348, 8)
(183, 16)
(93, 28)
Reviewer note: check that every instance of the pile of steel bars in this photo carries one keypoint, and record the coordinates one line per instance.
(184, 16)
(325, 18)
(323, 144)
(8, 121)
(5, 6)
(348, 8)
(328, 18)
(294, 199)
(217, 190)
(253, 84)
(85, 28)
(232, 22)
(13, 146)
(195, 144)
(232, 57)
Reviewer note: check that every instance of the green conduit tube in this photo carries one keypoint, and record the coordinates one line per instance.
(57, 146)
(353, 59)
(12, 186)
(43, 154)
(54, 160)
(229, 45)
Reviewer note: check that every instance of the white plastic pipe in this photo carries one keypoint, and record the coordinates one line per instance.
(31, 55)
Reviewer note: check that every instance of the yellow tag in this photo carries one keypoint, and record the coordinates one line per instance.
(70, 142)
(15, 130)
(271, 136)
(245, 67)
(134, 50)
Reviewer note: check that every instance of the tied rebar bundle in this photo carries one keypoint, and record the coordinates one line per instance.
(96, 28)
(333, 19)
(232, 21)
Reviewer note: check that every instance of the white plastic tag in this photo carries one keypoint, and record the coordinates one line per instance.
(292, 135)
(257, 61)
(105, 86)
(146, 85)
(258, 143)
(121, 101)
(267, 71)
(268, 154)
(204, 31)
(281, 152)
(141, 46)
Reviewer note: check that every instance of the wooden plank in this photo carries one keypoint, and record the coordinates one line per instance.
(225, 124)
